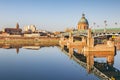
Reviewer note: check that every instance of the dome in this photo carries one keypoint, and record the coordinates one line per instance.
(83, 20)
(83, 23)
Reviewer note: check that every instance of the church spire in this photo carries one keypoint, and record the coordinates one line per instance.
(17, 26)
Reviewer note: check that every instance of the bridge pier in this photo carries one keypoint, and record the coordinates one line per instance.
(63, 42)
(99, 50)
(78, 45)
(71, 52)
(90, 61)
(110, 59)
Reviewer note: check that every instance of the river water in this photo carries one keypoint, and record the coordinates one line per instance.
(46, 63)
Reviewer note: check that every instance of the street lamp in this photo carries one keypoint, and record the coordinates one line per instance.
(116, 24)
(105, 25)
(94, 26)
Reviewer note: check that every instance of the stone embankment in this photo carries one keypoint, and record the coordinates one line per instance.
(29, 40)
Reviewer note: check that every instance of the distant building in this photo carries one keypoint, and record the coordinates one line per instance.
(69, 29)
(56, 33)
(30, 29)
(15, 31)
(32, 35)
(42, 32)
(83, 23)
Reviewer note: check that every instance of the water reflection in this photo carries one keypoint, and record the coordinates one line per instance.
(108, 70)
(25, 46)
(101, 69)
(47, 63)
(118, 46)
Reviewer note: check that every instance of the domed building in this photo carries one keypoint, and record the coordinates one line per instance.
(83, 23)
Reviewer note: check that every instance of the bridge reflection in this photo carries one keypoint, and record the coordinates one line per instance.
(105, 71)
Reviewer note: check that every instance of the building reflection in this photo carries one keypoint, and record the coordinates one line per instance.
(10, 46)
(17, 50)
(32, 47)
(25, 46)
(104, 70)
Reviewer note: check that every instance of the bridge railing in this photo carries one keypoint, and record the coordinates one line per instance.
(95, 31)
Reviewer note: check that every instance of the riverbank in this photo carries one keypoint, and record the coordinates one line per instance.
(29, 40)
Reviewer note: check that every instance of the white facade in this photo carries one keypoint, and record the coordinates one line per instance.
(31, 28)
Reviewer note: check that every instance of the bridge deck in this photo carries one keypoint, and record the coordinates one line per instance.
(95, 32)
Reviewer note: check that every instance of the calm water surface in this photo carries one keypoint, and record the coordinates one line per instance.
(47, 63)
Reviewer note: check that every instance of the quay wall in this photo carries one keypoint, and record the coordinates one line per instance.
(29, 40)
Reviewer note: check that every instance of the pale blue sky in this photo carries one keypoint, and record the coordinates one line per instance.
(58, 14)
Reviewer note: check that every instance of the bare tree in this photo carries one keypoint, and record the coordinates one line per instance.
(94, 23)
(98, 26)
(115, 23)
(94, 26)
(105, 21)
